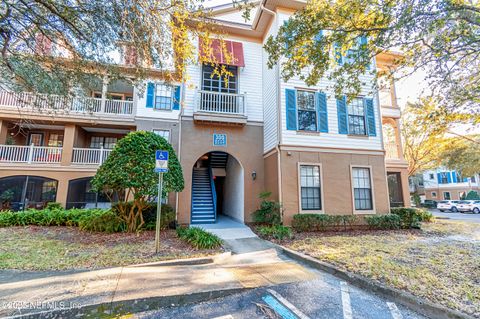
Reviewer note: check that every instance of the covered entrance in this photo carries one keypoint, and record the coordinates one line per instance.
(217, 188)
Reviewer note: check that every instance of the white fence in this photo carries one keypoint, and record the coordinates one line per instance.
(217, 102)
(30, 154)
(54, 103)
(90, 156)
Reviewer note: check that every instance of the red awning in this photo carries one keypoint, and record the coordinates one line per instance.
(217, 55)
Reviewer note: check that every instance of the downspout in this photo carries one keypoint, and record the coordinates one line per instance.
(180, 115)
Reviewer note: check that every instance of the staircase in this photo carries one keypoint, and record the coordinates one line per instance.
(218, 159)
(203, 208)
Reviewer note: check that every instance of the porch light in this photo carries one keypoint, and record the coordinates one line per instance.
(254, 175)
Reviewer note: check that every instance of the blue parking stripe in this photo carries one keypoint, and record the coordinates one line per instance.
(283, 311)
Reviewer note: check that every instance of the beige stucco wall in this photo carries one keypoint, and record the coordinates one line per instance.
(336, 181)
(244, 143)
(271, 175)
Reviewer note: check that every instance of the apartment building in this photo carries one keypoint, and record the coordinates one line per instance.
(314, 152)
(443, 184)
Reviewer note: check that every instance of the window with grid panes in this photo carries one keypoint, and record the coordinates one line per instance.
(163, 97)
(109, 142)
(356, 117)
(362, 188)
(307, 113)
(163, 133)
(310, 187)
(212, 82)
(96, 142)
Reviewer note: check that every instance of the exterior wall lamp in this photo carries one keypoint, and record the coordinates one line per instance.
(254, 175)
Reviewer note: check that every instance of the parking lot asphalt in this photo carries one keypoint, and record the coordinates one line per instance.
(466, 217)
(324, 297)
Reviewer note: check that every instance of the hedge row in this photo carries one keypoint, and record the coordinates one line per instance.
(404, 218)
(98, 220)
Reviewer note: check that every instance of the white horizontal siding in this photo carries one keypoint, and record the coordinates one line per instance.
(249, 79)
(332, 138)
(270, 101)
(144, 112)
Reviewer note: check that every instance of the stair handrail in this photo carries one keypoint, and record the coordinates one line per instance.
(214, 192)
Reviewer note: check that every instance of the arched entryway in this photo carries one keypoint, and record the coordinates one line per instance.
(217, 188)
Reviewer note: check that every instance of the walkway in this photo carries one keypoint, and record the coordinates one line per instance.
(227, 228)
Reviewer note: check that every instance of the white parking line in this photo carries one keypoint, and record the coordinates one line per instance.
(287, 304)
(396, 314)
(347, 308)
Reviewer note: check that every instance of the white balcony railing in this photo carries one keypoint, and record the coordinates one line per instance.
(30, 154)
(217, 102)
(90, 156)
(391, 150)
(56, 103)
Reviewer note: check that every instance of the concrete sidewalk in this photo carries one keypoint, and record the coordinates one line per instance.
(109, 288)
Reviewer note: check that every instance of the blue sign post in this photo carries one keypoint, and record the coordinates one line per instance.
(161, 166)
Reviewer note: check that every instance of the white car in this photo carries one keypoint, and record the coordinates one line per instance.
(450, 205)
(465, 205)
(469, 206)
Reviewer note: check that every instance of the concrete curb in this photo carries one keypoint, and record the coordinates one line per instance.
(125, 307)
(186, 261)
(422, 306)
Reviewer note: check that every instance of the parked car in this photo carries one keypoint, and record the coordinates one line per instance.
(450, 205)
(465, 206)
(428, 203)
(469, 206)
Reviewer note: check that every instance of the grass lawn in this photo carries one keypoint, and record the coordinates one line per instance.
(59, 248)
(441, 262)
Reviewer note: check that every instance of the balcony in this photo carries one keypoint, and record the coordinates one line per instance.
(63, 105)
(51, 155)
(218, 107)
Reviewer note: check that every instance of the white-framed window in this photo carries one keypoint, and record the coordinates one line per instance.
(462, 195)
(306, 111)
(434, 194)
(163, 133)
(362, 188)
(431, 176)
(211, 81)
(443, 178)
(310, 188)
(101, 141)
(357, 121)
(163, 97)
(447, 196)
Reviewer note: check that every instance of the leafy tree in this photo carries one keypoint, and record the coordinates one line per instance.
(463, 155)
(128, 174)
(328, 39)
(472, 195)
(85, 34)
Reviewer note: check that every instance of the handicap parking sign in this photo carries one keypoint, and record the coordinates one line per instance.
(161, 161)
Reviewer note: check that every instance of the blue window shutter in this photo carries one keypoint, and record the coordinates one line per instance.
(439, 177)
(465, 179)
(176, 98)
(150, 94)
(322, 112)
(338, 54)
(454, 175)
(318, 36)
(370, 117)
(342, 115)
(449, 177)
(291, 101)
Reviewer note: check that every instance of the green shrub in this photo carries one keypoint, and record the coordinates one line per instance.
(54, 205)
(389, 221)
(149, 214)
(279, 232)
(321, 222)
(270, 212)
(411, 217)
(7, 218)
(199, 238)
(472, 195)
(99, 220)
